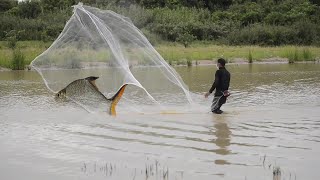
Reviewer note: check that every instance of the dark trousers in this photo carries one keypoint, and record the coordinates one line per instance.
(217, 102)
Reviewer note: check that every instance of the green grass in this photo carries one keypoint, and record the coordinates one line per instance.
(177, 54)
(173, 52)
(250, 58)
(18, 61)
(297, 55)
(29, 49)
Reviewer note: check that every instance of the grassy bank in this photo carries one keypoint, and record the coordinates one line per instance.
(198, 51)
(30, 50)
(177, 54)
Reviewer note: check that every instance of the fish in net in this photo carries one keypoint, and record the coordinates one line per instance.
(104, 44)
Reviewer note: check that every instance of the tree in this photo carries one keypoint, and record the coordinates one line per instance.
(212, 4)
(317, 2)
(185, 37)
(6, 5)
(29, 9)
(153, 3)
(51, 5)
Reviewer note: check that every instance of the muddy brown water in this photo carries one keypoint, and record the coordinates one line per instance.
(271, 120)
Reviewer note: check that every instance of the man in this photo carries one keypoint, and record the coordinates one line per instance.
(221, 85)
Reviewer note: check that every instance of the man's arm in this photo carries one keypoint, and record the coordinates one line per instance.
(214, 85)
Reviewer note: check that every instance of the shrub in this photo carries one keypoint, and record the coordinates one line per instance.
(267, 35)
(185, 38)
(292, 56)
(6, 5)
(153, 38)
(12, 42)
(237, 22)
(307, 55)
(306, 32)
(11, 37)
(250, 57)
(29, 9)
(189, 62)
(18, 61)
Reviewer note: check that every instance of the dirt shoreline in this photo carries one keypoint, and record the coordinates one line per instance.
(236, 61)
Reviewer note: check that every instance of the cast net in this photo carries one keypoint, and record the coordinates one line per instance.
(105, 44)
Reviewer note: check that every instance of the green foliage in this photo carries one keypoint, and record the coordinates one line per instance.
(55, 5)
(317, 2)
(307, 55)
(141, 17)
(189, 62)
(11, 37)
(152, 3)
(293, 56)
(248, 12)
(185, 38)
(12, 42)
(153, 38)
(181, 62)
(5, 5)
(268, 35)
(250, 57)
(172, 52)
(28, 9)
(306, 32)
(44, 27)
(275, 18)
(18, 61)
(185, 24)
(236, 22)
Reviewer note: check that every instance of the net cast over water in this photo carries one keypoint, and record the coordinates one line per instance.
(107, 45)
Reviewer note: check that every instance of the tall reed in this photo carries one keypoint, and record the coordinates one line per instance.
(18, 60)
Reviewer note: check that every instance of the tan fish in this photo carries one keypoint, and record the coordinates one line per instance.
(86, 92)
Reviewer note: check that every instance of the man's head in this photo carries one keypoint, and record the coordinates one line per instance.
(221, 62)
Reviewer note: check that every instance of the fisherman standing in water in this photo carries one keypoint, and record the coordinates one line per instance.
(221, 84)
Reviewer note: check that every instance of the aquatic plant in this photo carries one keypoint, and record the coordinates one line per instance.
(12, 42)
(307, 55)
(292, 56)
(189, 62)
(181, 62)
(250, 57)
(12, 38)
(18, 61)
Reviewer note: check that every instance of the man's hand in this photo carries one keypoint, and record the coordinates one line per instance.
(206, 94)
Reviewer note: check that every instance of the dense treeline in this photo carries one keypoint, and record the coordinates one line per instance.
(236, 22)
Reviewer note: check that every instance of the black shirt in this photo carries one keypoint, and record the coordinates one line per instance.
(221, 81)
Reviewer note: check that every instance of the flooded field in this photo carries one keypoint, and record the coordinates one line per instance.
(272, 119)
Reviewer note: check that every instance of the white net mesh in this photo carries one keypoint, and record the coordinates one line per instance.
(102, 43)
